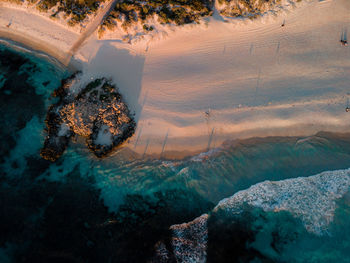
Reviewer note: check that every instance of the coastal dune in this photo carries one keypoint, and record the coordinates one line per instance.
(204, 84)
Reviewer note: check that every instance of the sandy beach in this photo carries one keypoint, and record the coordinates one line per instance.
(204, 84)
(35, 31)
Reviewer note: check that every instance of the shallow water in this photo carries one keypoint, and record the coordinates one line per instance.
(82, 209)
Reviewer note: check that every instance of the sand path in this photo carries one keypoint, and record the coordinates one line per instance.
(92, 26)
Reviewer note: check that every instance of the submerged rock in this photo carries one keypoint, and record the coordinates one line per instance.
(189, 240)
(235, 223)
(97, 112)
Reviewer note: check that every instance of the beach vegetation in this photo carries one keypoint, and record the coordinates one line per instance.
(76, 10)
(177, 12)
(246, 8)
(147, 27)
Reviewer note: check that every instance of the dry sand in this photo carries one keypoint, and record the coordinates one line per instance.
(202, 85)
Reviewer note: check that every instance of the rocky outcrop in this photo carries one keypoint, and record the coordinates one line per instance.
(97, 112)
(189, 240)
(312, 201)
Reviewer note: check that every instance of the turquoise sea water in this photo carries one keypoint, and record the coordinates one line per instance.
(82, 209)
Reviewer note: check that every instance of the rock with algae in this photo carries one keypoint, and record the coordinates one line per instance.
(97, 112)
(312, 200)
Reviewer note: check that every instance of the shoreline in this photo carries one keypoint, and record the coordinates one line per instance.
(171, 83)
(52, 53)
(37, 32)
(31, 45)
(185, 153)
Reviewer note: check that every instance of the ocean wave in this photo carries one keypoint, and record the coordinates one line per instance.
(312, 199)
(309, 199)
(205, 155)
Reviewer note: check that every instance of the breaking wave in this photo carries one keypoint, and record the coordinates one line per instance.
(311, 201)
(128, 204)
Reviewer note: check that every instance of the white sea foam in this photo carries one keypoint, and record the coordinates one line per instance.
(311, 199)
(205, 155)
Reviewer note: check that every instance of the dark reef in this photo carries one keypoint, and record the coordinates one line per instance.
(68, 222)
(14, 94)
(55, 212)
(97, 113)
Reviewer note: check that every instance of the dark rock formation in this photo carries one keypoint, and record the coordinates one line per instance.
(97, 113)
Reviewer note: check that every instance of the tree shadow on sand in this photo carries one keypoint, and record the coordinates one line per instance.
(123, 66)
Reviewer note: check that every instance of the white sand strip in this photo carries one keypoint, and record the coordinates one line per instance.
(36, 31)
(253, 78)
(205, 84)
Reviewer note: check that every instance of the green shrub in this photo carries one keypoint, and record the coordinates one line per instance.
(169, 11)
